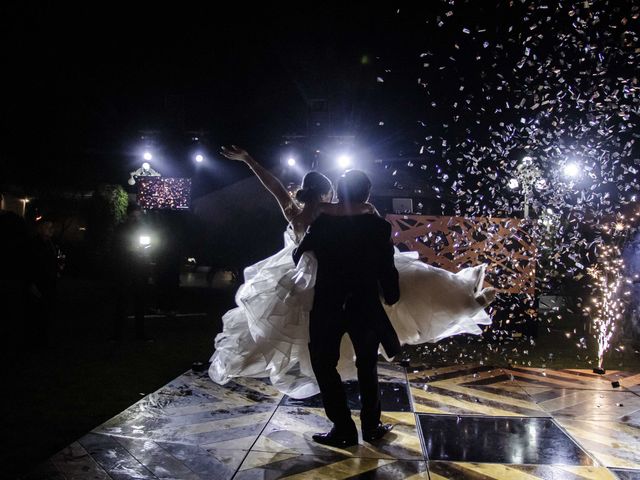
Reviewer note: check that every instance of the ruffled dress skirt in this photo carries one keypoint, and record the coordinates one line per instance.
(267, 334)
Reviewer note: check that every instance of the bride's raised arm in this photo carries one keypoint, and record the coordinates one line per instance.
(289, 208)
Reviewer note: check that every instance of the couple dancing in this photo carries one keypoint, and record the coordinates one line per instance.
(295, 306)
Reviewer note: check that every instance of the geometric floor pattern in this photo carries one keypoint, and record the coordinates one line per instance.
(453, 422)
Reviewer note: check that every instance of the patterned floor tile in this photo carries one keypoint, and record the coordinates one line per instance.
(536, 441)
(391, 372)
(194, 410)
(115, 459)
(75, 462)
(241, 425)
(267, 466)
(541, 423)
(476, 371)
(613, 444)
(627, 474)
(156, 459)
(473, 390)
(291, 428)
(631, 383)
(215, 462)
(394, 397)
(486, 471)
(572, 378)
(613, 405)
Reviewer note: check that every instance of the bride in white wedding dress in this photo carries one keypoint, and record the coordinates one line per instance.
(266, 335)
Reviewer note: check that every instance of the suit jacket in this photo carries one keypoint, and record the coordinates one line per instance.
(355, 263)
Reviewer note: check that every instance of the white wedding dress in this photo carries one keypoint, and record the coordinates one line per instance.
(267, 334)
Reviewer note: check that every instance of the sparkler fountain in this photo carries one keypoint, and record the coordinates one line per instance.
(608, 306)
(609, 282)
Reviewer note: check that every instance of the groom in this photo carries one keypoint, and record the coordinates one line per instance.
(355, 261)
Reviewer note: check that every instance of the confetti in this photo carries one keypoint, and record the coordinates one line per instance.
(558, 86)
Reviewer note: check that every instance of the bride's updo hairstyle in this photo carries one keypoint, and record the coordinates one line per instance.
(314, 186)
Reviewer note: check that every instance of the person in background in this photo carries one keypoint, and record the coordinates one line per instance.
(44, 270)
(130, 268)
(168, 256)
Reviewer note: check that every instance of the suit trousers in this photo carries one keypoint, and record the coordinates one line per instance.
(329, 321)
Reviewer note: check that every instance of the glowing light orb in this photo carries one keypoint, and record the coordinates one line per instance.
(571, 170)
(344, 161)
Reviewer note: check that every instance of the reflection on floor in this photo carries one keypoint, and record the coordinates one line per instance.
(451, 422)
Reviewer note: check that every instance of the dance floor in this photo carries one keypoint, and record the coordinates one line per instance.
(452, 422)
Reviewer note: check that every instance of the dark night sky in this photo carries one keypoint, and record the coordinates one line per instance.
(81, 82)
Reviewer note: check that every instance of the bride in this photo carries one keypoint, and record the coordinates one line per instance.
(266, 335)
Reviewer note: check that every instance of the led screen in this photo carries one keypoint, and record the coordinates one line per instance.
(164, 193)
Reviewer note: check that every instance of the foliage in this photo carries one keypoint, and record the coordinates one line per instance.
(108, 209)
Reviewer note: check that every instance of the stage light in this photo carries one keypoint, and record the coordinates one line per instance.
(146, 166)
(291, 161)
(344, 161)
(147, 156)
(199, 158)
(571, 170)
(145, 240)
(513, 183)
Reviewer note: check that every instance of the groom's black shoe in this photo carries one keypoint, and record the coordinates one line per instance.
(377, 433)
(335, 439)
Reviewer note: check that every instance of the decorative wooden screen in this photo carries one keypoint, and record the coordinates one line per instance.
(452, 243)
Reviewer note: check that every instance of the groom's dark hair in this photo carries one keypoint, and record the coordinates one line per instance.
(353, 187)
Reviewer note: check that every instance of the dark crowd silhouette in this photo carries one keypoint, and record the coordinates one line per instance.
(32, 263)
(142, 269)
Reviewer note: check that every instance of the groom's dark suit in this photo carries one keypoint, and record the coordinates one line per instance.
(355, 261)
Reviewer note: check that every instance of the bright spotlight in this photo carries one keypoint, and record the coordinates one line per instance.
(291, 161)
(344, 161)
(145, 240)
(199, 158)
(147, 156)
(571, 170)
(146, 166)
(513, 183)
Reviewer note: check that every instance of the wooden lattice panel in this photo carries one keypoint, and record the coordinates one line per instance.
(452, 243)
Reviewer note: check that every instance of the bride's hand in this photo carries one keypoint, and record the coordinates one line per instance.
(235, 153)
(371, 208)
